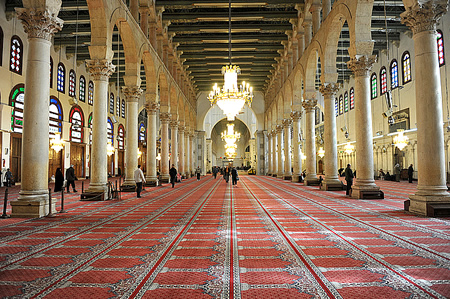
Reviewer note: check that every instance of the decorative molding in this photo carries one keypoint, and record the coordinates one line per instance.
(39, 23)
(362, 66)
(287, 123)
(424, 16)
(132, 93)
(329, 89)
(152, 108)
(164, 117)
(100, 69)
(309, 105)
(296, 115)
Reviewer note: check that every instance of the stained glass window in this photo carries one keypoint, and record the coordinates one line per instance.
(440, 46)
(55, 117)
(111, 103)
(352, 98)
(72, 83)
(346, 102)
(141, 132)
(123, 108)
(91, 93)
(373, 84)
(61, 77)
(383, 78)
(16, 100)
(110, 130)
(82, 89)
(15, 65)
(336, 107)
(394, 74)
(90, 127)
(120, 136)
(341, 105)
(76, 120)
(406, 67)
(118, 106)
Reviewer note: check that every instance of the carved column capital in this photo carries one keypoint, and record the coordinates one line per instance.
(152, 108)
(39, 23)
(309, 105)
(328, 89)
(296, 115)
(181, 129)
(164, 117)
(173, 124)
(100, 69)
(287, 123)
(361, 66)
(132, 93)
(279, 129)
(424, 16)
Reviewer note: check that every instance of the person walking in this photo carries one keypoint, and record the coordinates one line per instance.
(59, 180)
(70, 177)
(410, 173)
(198, 171)
(139, 179)
(215, 170)
(397, 172)
(8, 177)
(234, 176)
(349, 179)
(173, 175)
(226, 174)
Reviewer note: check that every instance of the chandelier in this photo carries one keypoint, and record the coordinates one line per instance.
(348, 148)
(321, 152)
(230, 137)
(230, 151)
(56, 143)
(110, 149)
(400, 141)
(139, 154)
(231, 98)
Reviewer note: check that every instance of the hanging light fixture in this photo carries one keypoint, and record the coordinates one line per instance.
(231, 98)
(400, 141)
(303, 156)
(321, 152)
(110, 149)
(56, 143)
(349, 148)
(229, 136)
(139, 153)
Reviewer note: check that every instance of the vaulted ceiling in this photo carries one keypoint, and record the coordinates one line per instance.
(200, 30)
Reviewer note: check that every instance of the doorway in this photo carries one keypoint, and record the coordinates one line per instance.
(77, 159)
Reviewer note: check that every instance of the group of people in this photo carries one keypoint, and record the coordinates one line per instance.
(227, 171)
(70, 179)
(397, 171)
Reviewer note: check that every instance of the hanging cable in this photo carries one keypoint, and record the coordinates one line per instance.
(229, 30)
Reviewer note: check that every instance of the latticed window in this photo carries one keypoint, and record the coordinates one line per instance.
(336, 107)
(440, 46)
(352, 98)
(51, 72)
(406, 67)
(123, 108)
(110, 130)
(346, 102)
(15, 65)
(341, 105)
(141, 132)
(55, 117)
(61, 77)
(72, 83)
(383, 78)
(90, 127)
(76, 120)
(120, 137)
(373, 84)
(91, 93)
(394, 74)
(111, 103)
(317, 115)
(82, 95)
(118, 106)
(16, 100)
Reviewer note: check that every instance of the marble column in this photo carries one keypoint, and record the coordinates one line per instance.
(301, 43)
(40, 25)
(165, 119)
(287, 125)
(315, 12)
(187, 172)
(181, 164)
(143, 10)
(310, 133)
(326, 9)
(174, 144)
(274, 153)
(152, 34)
(297, 166)
(331, 180)
(280, 151)
(294, 52)
(269, 153)
(431, 187)
(361, 67)
(152, 134)
(308, 33)
(132, 95)
(194, 147)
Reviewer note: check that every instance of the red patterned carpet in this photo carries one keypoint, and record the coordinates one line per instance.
(265, 238)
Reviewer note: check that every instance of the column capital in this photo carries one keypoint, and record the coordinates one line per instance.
(273, 132)
(315, 7)
(279, 129)
(361, 66)
(100, 69)
(164, 117)
(152, 108)
(296, 115)
(287, 123)
(173, 124)
(144, 9)
(309, 105)
(424, 16)
(39, 23)
(132, 93)
(181, 129)
(329, 89)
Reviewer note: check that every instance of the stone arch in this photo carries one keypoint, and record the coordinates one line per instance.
(101, 31)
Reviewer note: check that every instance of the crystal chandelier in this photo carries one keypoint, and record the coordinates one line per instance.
(231, 98)
(230, 137)
(348, 148)
(110, 149)
(56, 143)
(401, 141)
(321, 152)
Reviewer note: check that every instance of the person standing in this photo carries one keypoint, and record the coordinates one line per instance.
(349, 179)
(226, 174)
(139, 179)
(215, 170)
(8, 177)
(59, 180)
(198, 171)
(173, 175)
(234, 176)
(410, 173)
(70, 177)
(397, 172)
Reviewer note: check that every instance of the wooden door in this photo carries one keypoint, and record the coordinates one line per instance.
(320, 167)
(121, 161)
(77, 159)
(16, 157)
(110, 166)
(54, 161)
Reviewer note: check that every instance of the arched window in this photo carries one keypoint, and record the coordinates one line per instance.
(15, 65)
(406, 67)
(55, 117)
(118, 107)
(91, 93)
(111, 103)
(72, 83)
(440, 46)
(51, 72)
(123, 108)
(90, 128)
(352, 98)
(336, 107)
(346, 102)
(317, 115)
(82, 96)
(394, 74)
(76, 119)
(341, 105)
(110, 131)
(383, 79)
(16, 100)
(61, 77)
(373, 84)
(1, 46)
(141, 132)
(120, 136)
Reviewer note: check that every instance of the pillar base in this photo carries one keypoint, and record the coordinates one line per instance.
(431, 206)
(269, 174)
(96, 191)
(295, 178)
(287, 177)
(274, 175)
(367, 192)
(31, 205)
(164, 178)
(332, 185)
(126, 187)
(311, 180)
(279, 176)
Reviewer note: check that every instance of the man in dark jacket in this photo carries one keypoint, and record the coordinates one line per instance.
(349, 179)
(234, 176)
(410, 173)
(70, 177)
(173, 175)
